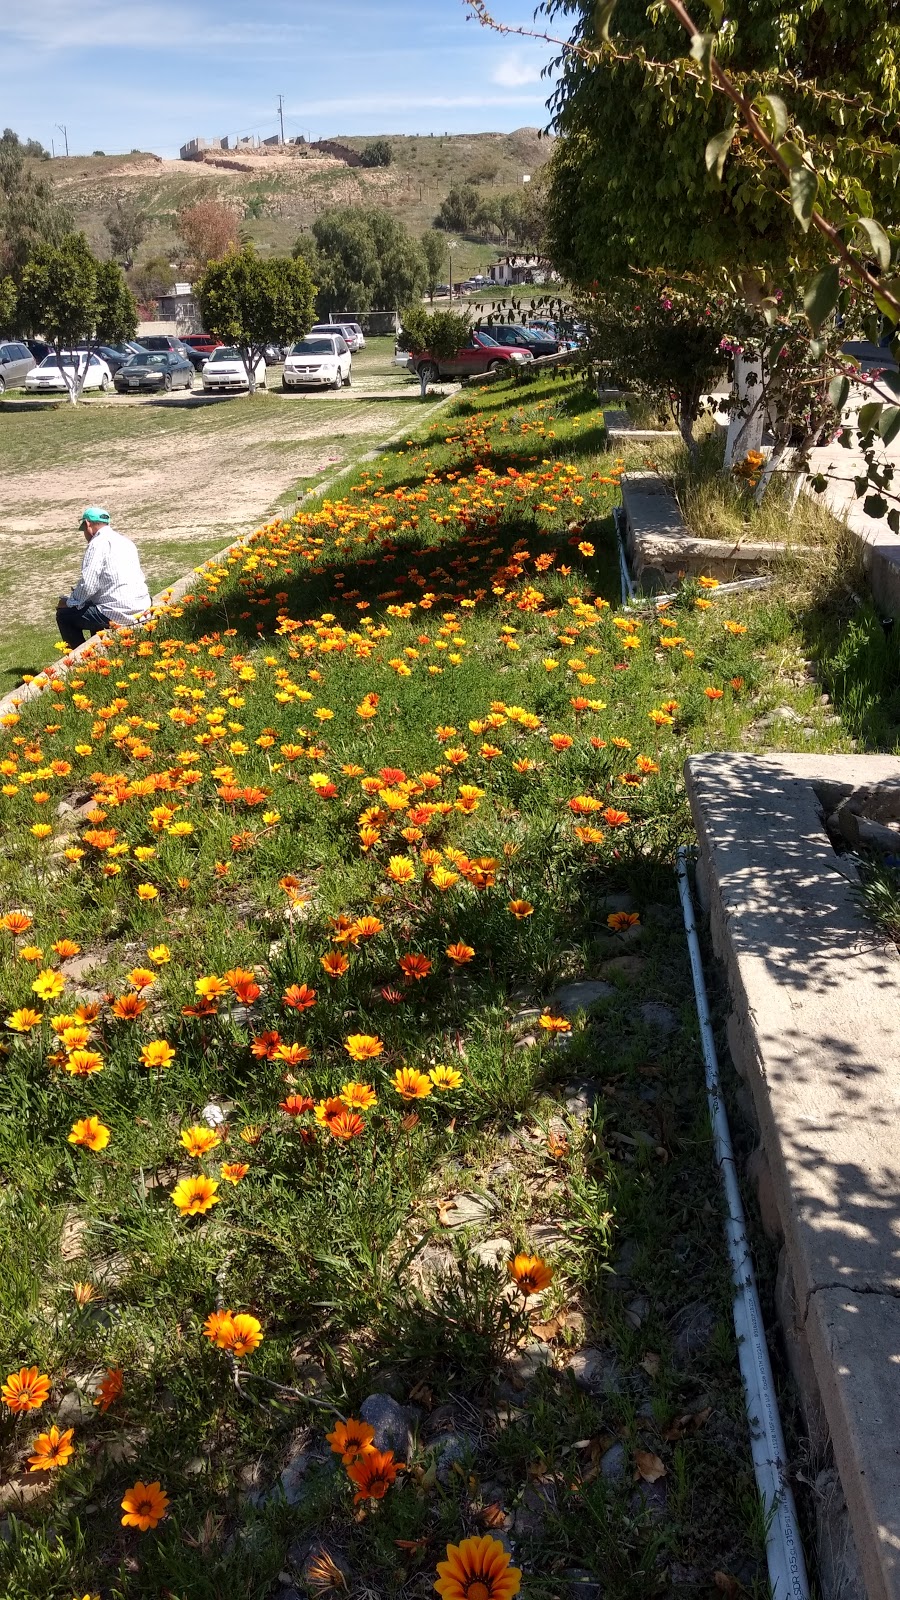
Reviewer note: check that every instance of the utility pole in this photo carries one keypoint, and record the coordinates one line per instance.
(64, 131)
(281, 115)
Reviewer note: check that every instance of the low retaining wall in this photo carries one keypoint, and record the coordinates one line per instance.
(814, 1033)
(662, 549)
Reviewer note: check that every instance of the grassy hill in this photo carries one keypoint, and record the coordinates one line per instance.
(278, 195)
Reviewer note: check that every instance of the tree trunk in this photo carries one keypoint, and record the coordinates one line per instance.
(423, 383)
(745, 425)
(250, 364)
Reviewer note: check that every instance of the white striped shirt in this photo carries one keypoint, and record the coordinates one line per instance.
(111, 578)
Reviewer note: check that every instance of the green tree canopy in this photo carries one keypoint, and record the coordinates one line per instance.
(250, 302)
(29, 211)
(363, 260)
(126, 223)
(377, 153)
(434, 250)
(437, 333)
(71, 298)
(629, 186)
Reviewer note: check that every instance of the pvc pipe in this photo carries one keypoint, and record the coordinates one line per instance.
(761, 582)
(784, 1551)
(625, 579)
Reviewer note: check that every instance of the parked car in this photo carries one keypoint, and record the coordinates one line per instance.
(16, 361)
(115, 355)
(155, 369)
(321, 360)
(225, 370)
(514, 337)
(481, 353)
(171, 341)
(354, 340)
(48, 376)
(201, 343)
(359, 334)
(39, 348)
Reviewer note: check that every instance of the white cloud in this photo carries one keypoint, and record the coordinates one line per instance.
(515, 71)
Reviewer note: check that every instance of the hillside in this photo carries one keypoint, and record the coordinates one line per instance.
(280, 194)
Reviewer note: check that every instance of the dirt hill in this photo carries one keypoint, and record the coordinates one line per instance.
(279, 194)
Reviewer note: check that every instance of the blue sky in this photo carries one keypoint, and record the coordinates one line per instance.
(150, 74)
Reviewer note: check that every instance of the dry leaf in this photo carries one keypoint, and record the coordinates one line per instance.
(410, 1544)
(726, 1584)
(688, 1422)
(421, 1395)
(649, 1466)
(548, 1330)
(650, 1363)
(492, 1516)
(447, 1213)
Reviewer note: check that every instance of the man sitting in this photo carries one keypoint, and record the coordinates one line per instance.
(111, 589)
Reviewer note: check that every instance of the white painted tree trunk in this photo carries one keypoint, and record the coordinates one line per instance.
(745, 425)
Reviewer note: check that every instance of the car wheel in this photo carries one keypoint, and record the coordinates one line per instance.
(339, 381)
(349, 378)
(2, 384)
(189, 380)
(105, 383)
(429, 372)
(497, 366)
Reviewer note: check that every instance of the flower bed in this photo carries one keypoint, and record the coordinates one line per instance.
(290, 884)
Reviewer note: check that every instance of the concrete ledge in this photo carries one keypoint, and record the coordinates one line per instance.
(815, 1031)
(657, 538)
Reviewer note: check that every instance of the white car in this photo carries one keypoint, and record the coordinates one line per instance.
(351, 332)
(226, 370)
(320, 361)
(49, 378)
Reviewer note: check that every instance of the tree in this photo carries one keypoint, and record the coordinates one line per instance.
(209, 229)
(439, 334)
(151, 278)
(71, 298)
(362, 260)
(29, 211)
(434, 250)
(458, 209)
(126, 223)
(250, 303)
(8, 300)
(377, 153)
(629, 186)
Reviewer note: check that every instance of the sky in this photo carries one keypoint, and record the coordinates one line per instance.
(151, 74)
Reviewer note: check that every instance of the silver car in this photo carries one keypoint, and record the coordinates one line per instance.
(346, 330)
(16, 361)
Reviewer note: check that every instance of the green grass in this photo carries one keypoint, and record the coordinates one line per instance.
(468, 580)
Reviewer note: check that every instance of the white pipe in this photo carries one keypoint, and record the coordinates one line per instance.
(761, 582)
(784, 1552)
(625, 579)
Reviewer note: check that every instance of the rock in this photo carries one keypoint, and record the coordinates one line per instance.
(626, 966)
(692, 1330)
(493, 1252)
(616, 902)
(75, 1409)
(214, 1116)
(524, 1365)
(391, 1423)
(454, 1451)
(466, 1209)
(656, 1015)
(613, 1463)
(290, 1482)
(650, 1498)
(878, 805)
(431, 1265)
(595, 1371)
(528, 1517)
(579, 996)
(196, 1466)
(581, 1098)
(544, 1238)
(637, 1311)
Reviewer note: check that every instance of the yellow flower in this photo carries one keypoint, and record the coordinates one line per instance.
(146, 891)
(48, 984)
(411, 1085)
(158, 1053)
(194, 1196)
(199, 1141)
(445, 1078)
(89, 1132)
(159, 955)
(358, 1096)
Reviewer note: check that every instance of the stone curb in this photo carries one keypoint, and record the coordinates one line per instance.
(99, 646)
(658, 540)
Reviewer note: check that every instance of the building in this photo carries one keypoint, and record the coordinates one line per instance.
(519, 269)
(195, 148)
(180, 307)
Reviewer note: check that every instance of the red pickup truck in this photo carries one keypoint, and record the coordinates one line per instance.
(478, 355)
(203, 343)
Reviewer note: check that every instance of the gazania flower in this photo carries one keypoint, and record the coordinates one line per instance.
(84, 1293)
(16, 923)
(583, 804)
(265, 1045)
(217, 1327)
(210, 987)
(66, 949)
(443, 879)
(335, 965)
(296, 1105)
(346, 1125)
(158, 1053)
(292, 1054)
(445, 1078)
(460, 954)
(147, 891)
(129, 1007)
(194, 1196)
(531, 1273)
(159, 955)
(328, 1109)
(411, 1085)
(400, 869)
(351, 1440)
(299, 997)
(252, 1133)
(24, 1019)
(51, 1450)
(25, 1390)
(89, 1132)
(520, 909)
(366, 928)
(109, 1389)
(554, 1024)
(199, 1141)
(358, 1096)
(234, 1171)
(621, 921)
(363, 1046)
(243, 985)
(614, 818)
(48, 984)
(82, 1063)
(373, 1474)
(713, 694)
(414, 967)
(478, 1569)
(244, 1334)
(144, 1505)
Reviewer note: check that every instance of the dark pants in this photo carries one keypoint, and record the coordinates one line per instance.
(74, 621)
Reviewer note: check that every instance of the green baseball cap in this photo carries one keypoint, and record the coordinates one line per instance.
(93, 514)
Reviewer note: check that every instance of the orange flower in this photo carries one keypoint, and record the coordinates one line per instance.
(129, 1007)
(521, 909)
(16, 923)
(51, 1450)
(346, 1125)
(366, 928)
(358, 1096)
(237, 1332)
(352, 1440)
(713, 694)
(555, 1024)
(400, 869)
(299, 997)
(25, 1390)
(460, 953)
(144, 1505)
(234, 1171)
(621, 921)
(531, 1273)
(199, 1141)
(296, 1105)
(66, 948)
(89, 1132)
(82, 1063)
(363, 1046)
(614, 818)
(373, 1474)
(328, 1110)
(265, 1045)
(158, 1053)
(109, 1388)
(291, 1054)
(583, 804)
(478, 1569)
(412, 1085)
(194, 1196)
(335, 965)
(243, 985)
(217, 1327)
(415, 967)
(23, 1020)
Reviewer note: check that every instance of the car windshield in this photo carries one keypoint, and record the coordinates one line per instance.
(67, 360)
(150, 358)
(485, 338)
(313, 347)
(226, 353)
